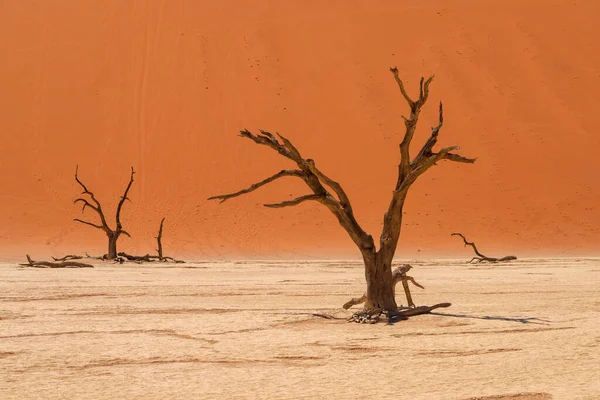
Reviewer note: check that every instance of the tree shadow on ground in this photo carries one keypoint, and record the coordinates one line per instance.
(527, 320)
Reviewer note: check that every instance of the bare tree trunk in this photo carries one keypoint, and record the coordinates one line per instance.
(380, 284)
(112, 245)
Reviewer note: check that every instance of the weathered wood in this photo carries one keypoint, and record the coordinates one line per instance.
(68, 257)
(159, 250)
(328, 192)
(480, 257)
(113, 235)
(398, 275)
(374, 316)
(48, 264)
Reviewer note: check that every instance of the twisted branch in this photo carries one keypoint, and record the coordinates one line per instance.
(225, 197)
(480, 257)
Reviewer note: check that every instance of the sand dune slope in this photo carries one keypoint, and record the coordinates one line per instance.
(165, 85)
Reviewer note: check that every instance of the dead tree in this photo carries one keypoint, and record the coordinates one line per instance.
(113, 235)
(378, 262)
(61, 264)
(159, 249)
(480, 257)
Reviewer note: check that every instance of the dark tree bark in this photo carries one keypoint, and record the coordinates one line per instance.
(159, 250)
(398, 275)
(112, 235)
(378, 262)
(480, 257)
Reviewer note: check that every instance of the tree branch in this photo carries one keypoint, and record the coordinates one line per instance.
(314, 179)
(47, 264)
(294, 202)
(97, 207)
(225, 197)
(123, 198)
(337, 188)
(159, 239)
(68, 257)
(89, 223)
(481, 257)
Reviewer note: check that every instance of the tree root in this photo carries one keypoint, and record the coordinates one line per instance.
(376, 315)
(61, 264)
(398, 275)
(480, 257)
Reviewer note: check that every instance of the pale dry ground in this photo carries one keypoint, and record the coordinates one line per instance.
(526, 330)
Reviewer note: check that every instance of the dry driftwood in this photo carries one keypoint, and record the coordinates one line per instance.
(113, 235)
(398, 275)
(480, 257)
(329, 193)
(68, 257)
(60, 264)
(374, 316)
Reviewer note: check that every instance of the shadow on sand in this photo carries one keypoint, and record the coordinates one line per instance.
(530, 320)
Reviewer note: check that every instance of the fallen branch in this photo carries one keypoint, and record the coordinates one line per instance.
(67, 257)
(480, 257)
(102, 257)
(398, 275)
(129, 257)
(61, 264)
(374, 316)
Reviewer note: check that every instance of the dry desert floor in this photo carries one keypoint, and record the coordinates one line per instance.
(247, 330)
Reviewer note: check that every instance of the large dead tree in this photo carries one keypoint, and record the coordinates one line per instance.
(112, 234)
(378, 261)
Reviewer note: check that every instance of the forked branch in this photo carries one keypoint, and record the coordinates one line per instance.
(480, 257)
(257, 185)
(97, 207)
(316, 181)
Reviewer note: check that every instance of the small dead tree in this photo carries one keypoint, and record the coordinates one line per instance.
(113, 235)
(378, 262)
(480, 257)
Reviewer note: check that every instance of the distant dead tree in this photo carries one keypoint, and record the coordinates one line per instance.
(113, 235)
(380, 299)
(148, 257)
(480, 257)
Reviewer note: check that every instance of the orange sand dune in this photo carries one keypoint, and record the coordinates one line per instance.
(164, 86)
